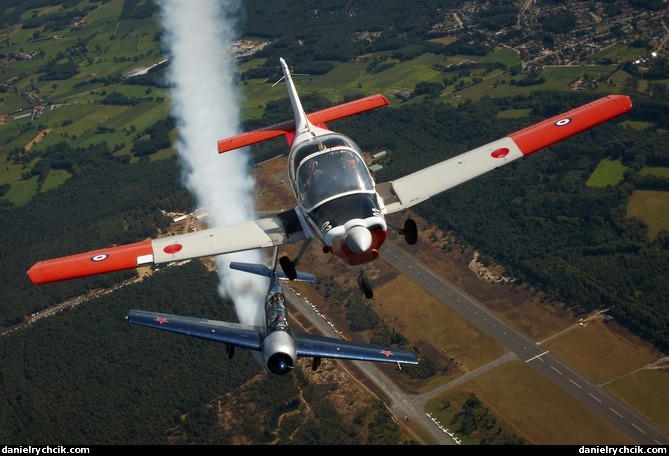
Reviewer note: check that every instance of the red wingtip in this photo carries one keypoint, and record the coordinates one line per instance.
(35, 273)
(550, 131)
(90, 263)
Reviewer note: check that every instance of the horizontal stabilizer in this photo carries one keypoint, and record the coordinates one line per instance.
(262, 270)
(317, 118)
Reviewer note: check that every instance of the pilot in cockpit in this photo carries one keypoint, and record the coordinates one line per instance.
(276, 313)
(312, 173)
(313, 182)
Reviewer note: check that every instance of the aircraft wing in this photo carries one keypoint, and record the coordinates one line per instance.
(310, 345)
(281, 229)
(317, 118)
(421, 185)
(246, 336)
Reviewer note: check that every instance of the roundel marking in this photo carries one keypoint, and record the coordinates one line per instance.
(100, 257)
(500, 153)
(173, 248)
(562, 122)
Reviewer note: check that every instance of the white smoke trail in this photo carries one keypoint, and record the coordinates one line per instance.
(199, 36)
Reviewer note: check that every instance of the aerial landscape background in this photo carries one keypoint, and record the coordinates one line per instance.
(571, 245)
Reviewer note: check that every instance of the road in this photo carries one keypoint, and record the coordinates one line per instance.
(521, 347)
(403, 403)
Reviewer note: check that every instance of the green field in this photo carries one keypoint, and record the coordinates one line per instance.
(528, 403)
(654, 171)
(54, 179)
(344, 80)
(608, 172)
(650, 206)
(505, 55)
(21, 192)
(653, 208)
(513, 113)
(115, 48)
(620, 52)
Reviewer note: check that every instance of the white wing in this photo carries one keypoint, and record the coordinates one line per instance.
(414, 188)
(283, 228)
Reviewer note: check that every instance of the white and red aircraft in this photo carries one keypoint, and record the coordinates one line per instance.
(338, 202)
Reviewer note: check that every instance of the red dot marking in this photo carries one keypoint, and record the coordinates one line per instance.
(500, 153)
(173, 248)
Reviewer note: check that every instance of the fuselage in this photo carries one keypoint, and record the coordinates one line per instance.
(278, 350)
(336, 196)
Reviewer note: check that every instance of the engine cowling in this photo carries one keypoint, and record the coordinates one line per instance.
(279, 352)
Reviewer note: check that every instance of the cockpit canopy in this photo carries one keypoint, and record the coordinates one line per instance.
(335, 169)
(276, 314)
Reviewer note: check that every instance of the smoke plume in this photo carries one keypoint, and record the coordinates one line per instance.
(198, 35)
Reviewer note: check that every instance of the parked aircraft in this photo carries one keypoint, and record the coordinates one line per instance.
(338, 203)
(280, 347)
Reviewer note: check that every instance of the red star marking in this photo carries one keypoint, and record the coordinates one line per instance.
(387, 353)
(161, 320)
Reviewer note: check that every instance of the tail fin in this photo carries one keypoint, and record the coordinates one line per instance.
(301, 121)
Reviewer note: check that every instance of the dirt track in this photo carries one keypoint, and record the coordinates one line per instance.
(37, 139)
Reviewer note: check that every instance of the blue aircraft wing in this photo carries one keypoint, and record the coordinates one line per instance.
(246, 336)
(329, 347)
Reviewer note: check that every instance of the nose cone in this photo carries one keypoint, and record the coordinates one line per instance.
(358, 239)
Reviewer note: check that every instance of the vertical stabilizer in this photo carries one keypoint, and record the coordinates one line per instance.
(301, 121)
